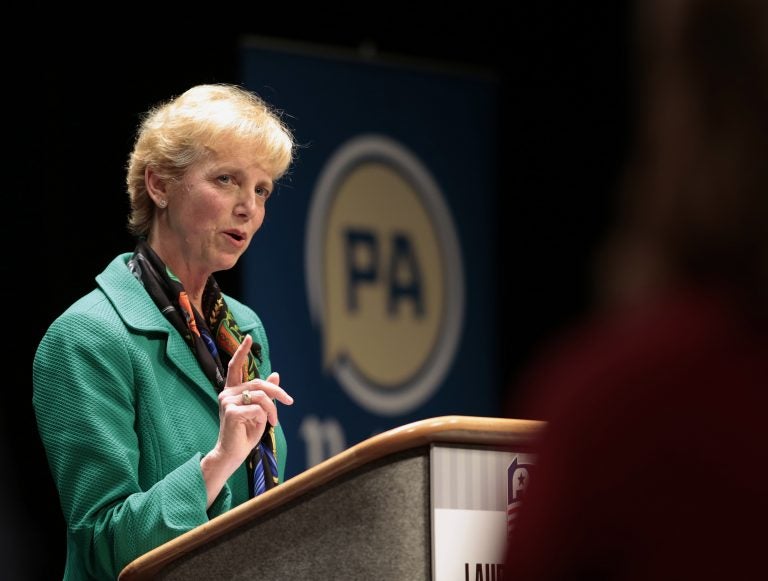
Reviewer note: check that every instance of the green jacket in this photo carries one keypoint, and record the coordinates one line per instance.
(125, 414)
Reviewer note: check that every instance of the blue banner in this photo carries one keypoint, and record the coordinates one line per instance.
(374, 270)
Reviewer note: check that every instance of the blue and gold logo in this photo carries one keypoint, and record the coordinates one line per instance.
(384, 275)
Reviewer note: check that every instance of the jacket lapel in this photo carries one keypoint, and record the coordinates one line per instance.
(139, 312)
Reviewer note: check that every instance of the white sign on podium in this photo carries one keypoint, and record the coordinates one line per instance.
(475, 494)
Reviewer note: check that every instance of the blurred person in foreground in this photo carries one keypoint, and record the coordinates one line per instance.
(654, 461)
(153, 394)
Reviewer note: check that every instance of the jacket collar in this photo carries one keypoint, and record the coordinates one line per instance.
(137, 310)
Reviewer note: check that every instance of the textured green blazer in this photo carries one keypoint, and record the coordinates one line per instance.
(125, 414)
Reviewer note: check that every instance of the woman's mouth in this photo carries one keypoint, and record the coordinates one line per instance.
(236, 236)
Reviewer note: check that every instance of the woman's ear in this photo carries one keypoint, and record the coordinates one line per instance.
(156, 187)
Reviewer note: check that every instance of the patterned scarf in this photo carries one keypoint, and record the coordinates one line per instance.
(213, 337)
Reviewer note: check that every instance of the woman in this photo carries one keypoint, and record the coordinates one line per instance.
(154, 394)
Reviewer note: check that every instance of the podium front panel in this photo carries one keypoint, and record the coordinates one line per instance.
(371, 524)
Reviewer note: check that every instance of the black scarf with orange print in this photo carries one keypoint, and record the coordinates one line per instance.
(213, 337)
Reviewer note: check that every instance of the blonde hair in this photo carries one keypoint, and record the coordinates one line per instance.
(175, 134)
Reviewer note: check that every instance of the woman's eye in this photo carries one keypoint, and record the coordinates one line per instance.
(263, 192)
(225, 179)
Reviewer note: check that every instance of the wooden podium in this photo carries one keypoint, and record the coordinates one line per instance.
(366, 513)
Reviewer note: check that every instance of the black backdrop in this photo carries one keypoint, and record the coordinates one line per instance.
(73, 97)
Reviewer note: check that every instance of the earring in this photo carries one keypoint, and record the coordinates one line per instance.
(162, 203)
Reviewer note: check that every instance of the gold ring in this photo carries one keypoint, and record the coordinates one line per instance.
(245, 397)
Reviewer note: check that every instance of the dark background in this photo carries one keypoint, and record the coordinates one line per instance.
(74, 94)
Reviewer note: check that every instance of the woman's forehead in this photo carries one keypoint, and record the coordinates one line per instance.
(238, 154)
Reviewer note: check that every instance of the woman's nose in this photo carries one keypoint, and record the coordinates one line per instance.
(247, 205)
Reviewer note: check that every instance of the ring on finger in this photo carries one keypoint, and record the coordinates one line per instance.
(245, 397)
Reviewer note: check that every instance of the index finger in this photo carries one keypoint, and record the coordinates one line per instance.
(236, 366)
